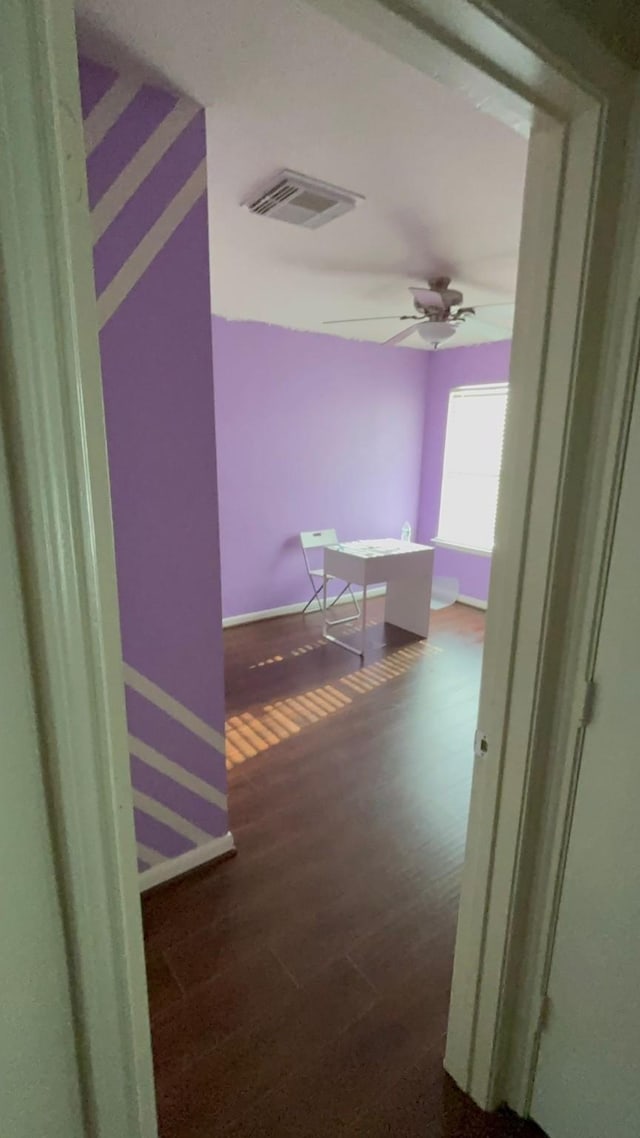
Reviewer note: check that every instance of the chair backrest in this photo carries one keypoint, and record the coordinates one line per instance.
(316, 539)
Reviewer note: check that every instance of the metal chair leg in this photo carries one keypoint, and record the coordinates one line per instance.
(315, 597)
(346, 588)
(337, 597)
(335, 600)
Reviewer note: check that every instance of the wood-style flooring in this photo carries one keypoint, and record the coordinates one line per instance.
(301, 988)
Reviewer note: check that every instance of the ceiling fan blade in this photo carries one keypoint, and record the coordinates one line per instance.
(363, 319)
(496, 316)
(400, 336)
(492, 304)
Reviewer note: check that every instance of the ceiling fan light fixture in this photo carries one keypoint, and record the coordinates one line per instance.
(435, 331)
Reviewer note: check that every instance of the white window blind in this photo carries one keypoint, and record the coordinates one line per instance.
(471, 469)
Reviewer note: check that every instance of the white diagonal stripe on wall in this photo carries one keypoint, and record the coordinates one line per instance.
(152, 242)
(140, 166)
(172, 707)
(152, 857)
(166, 766)
(107, 112)
(169, 818)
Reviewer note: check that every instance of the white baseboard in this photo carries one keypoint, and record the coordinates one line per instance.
(473, 602)
(174, 866)
(285, 610)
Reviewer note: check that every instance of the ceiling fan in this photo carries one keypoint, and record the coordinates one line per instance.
(438, 313)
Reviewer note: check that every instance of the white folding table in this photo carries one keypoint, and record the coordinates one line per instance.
(406, 568)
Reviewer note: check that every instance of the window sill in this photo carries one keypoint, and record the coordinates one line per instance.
(438, 541)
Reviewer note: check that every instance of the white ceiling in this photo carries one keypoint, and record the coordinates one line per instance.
(286, 86)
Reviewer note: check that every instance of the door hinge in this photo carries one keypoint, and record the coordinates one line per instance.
(589, 704)
(545, 1013)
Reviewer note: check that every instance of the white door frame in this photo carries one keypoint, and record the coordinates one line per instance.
(570, 374)
(536, 69)
(547, 813)
(51, 408)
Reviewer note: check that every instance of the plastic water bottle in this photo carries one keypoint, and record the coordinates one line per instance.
(405, 532)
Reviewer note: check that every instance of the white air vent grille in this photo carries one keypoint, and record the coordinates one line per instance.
(302, 201)
(266, 202)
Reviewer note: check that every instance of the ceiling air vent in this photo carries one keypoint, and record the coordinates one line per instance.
(302, 201)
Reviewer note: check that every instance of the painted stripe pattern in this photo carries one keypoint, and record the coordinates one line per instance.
(106, 113)
(148, 146)
(146, 171)
(172, 707)
(172, 802)
(177, 773)
(150, 245)
(131, 178)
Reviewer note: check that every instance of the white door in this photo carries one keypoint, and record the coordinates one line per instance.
(588, 1076)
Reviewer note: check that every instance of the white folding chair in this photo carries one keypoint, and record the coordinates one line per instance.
(318, 539)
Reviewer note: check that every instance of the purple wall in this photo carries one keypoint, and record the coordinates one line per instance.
(455, 367)
(314, 432)
(158, 394)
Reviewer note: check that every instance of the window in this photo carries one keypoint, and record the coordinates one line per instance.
(471, 469)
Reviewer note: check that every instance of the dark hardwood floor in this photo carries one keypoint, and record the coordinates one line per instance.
(301, 988)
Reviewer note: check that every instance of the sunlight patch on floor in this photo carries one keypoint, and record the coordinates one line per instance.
(250, 734)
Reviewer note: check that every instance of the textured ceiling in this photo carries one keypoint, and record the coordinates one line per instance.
(286, 86)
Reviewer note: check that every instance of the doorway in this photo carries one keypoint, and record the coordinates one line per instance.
(39, 491)
(308, 424)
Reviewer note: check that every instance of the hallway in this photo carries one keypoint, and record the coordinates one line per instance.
(301, 988)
